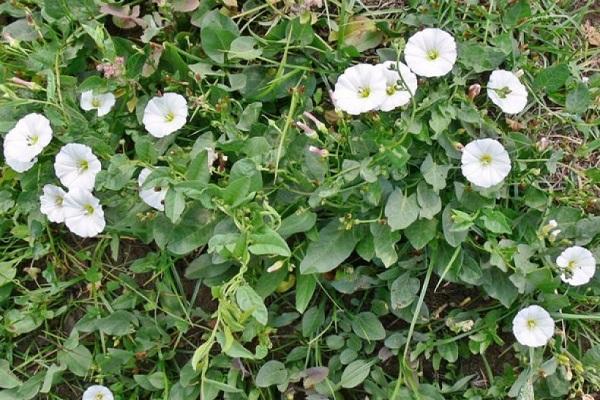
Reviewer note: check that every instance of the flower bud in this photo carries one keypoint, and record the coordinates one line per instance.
(311, 133)
(318, 151)
(474, 90)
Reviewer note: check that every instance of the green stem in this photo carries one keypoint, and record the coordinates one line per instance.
(286, 127)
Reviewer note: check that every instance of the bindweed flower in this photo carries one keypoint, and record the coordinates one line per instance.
(577, 264)
(485, 162)
(76, 166)
(400, 86)
(165, 115)
(430, 53)
(533, 326)
(83, 213)
(318, 151)
(26, 140)
(102, 102)
(359, 89)
(51, 203)
(18, 165)
(97, 392)
(155, 196)
(507, 92)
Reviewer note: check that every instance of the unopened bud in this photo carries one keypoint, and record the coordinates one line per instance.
(311, 133)
(320, 125)
(542, 144)
(276, 266)
(458, 146)
(318, 151)
(474, 90)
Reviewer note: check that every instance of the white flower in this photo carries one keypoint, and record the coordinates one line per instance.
(507, 92)
(577, 264)
(26, 140)
(485, 162)
(431, 52)
(533, 326)
(399, 90)
(20, 166)
(155, 196)
(97, 392)
(76, 166)
(83, 213)
(103, 102)
(359, 89)
(52, 203)
(164, 115)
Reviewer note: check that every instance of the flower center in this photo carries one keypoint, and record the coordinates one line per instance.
(364, 92)
(58, 201)
(95, 102)
(83, 165)
(157, 188)
(99, 396)
(486, 159)
(433, 54)
(33, 139)
(170, 116)
(503, 92)
(571, 265)
(531, 323)
(391, 90)
(89, 210)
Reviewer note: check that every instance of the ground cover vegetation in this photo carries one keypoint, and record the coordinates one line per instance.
(299, 199)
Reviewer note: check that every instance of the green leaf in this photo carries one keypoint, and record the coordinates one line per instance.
(401, 210)
(333, 246)
(480, 58)
(403, 291)
(552, 78)
(268, 242)
(117, 323)
(198, 169)
(495, 221)
(300, 221)
(312, 320)
(56, 8)
(448, 351)
(7, 272)
(244, 47)
(421, 232)
(519, 11)
(174, 205)
(8, 380)
(271, 373)
(249, 116)
(367, 326)
(384, 241)
(305, 288)
(355, 373)
(77, 360)
(497, 285)
(249, 300)
(578, 99)
(429, 201)
(216, 42)
(434, 174)
(52, 374)
(453, 236)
